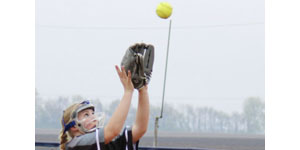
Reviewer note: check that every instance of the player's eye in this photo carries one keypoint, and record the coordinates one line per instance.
(86, 115)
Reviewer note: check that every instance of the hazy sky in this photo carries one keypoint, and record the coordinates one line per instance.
(216, 50)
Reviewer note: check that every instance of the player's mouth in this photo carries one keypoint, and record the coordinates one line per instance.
(93, 127)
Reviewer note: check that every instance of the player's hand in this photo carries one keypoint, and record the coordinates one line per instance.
(125, 80)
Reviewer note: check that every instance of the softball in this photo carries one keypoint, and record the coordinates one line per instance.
(164, 10)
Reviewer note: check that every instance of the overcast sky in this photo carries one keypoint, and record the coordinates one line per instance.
(216, 49)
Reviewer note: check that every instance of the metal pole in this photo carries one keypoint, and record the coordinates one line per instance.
(155, 131)
(163, 97)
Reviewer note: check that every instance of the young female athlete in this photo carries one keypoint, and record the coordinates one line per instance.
(81, 130)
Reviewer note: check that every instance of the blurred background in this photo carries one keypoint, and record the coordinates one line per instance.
(215, 82)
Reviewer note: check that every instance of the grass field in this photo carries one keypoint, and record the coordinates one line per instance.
(190, 140)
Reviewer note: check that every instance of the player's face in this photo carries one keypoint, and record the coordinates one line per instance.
(87, 118)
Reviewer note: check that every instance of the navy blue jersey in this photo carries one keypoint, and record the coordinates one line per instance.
(95, 141)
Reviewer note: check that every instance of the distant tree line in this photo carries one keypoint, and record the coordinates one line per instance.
(48, 114)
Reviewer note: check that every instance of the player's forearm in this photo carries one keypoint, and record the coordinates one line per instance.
(142, 116)
(118, 118)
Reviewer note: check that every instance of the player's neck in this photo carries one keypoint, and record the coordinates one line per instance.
(77, 133)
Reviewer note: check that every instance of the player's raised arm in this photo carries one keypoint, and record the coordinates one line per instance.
(142, 115)
(116, 122)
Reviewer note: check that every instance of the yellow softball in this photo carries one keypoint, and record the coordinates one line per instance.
(164, 10)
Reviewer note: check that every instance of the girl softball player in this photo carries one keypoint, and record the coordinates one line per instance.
(81, 130)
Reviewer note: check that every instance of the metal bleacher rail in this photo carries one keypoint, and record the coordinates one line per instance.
(53, 145)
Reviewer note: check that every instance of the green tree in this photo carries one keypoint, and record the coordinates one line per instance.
(254, 113)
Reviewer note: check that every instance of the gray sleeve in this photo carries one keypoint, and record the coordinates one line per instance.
(87, 140)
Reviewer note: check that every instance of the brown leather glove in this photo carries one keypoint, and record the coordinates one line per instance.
(139, 60)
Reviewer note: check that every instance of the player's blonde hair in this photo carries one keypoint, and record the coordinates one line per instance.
(65, 137)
